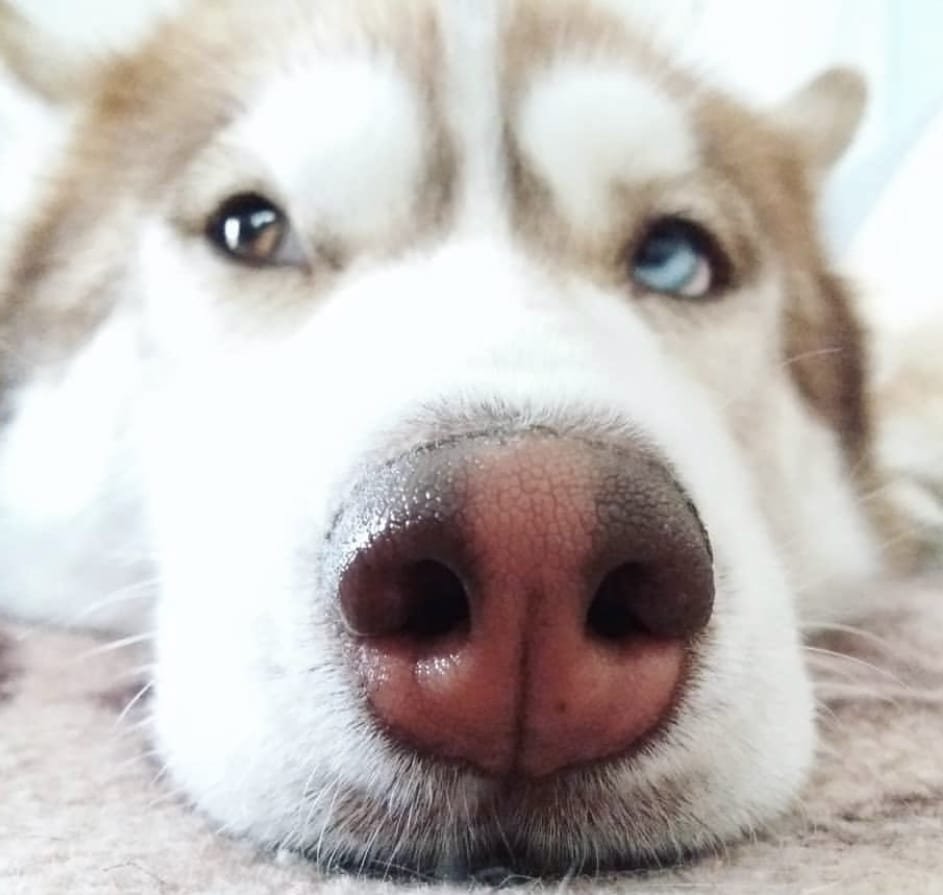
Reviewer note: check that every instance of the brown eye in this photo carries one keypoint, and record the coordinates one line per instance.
(251, 229)
(681, 259)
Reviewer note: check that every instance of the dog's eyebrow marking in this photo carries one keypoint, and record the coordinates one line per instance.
(583, 127)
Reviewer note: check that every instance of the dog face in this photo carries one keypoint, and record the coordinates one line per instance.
(321, 274)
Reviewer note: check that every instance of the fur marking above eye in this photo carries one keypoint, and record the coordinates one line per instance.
(254, 230)
(678, 258)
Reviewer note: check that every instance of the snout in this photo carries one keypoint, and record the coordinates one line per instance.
(523, 603)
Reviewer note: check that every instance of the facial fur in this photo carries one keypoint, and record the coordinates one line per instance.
(465, 185)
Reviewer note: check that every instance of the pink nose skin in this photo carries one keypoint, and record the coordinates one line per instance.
(522, 603)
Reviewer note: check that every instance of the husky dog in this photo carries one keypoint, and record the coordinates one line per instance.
(473, 387)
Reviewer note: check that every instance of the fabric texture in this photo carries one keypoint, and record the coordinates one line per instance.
(83, 808)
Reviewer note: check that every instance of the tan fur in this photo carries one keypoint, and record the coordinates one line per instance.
(823, 116)
(537, 30)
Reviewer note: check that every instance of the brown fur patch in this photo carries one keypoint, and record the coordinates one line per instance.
(824, 347)
(822, 342)
(825, 351)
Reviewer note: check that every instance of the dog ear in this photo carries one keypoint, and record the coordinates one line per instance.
(824, 115)
(45, 66)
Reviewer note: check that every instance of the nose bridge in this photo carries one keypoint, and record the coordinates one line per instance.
(471, 31)
(501, 304)
(471, 323)
(517, 301)
(490, 267)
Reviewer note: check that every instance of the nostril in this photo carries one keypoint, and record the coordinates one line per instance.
(668, 596)
(421, 601)
(435, 601)
(612, 614)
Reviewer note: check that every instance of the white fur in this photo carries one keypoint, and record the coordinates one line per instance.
(359, 163)
(72, 549)
(556, 347)
(472, 73)
(248, 435)
(587, 128)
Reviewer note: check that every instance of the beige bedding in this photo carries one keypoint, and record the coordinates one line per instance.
(81, 810)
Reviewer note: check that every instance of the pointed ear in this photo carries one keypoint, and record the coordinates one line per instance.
(46, 68)
(824, 115)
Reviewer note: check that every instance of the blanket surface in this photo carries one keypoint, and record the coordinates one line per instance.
(83, 809)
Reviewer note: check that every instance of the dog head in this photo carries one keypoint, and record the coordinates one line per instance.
(497, 414)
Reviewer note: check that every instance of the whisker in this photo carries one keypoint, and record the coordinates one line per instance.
(136, 672)
(896, 697)
(334, 790)
(851, 630)
(808, 355)
(854, 661)
(162, 772)
(114, 646)
(140, 590)
(133, 728)
(133, 702)
(171, 795)
(139, 761)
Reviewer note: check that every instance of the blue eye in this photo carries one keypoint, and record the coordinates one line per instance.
(679, 258)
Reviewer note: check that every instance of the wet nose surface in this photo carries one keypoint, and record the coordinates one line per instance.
(521, 603)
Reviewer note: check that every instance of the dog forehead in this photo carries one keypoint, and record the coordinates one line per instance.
(569, 87)
(466, 64)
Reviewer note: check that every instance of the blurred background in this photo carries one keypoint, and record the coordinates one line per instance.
(882, 206)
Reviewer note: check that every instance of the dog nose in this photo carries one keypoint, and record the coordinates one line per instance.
(522, 603)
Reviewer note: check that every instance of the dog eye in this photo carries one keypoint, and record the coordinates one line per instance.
(254, 230)
(678, 258)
